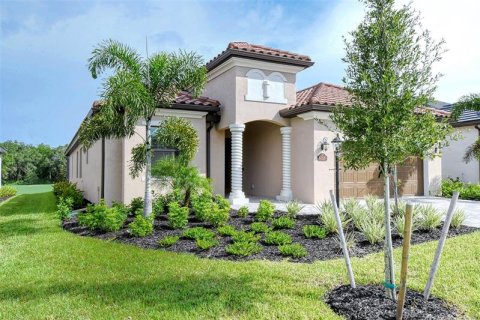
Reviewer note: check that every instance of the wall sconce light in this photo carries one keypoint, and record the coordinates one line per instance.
(324, 145)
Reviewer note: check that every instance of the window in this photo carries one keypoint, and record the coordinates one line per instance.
(159, 152)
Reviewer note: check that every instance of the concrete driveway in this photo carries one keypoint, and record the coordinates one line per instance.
(472, 208)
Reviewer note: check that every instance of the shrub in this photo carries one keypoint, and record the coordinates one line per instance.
(100, 216)
(259, 227)
(222, 202)
(135, 204)
(158, 207)
(293, 208)
(458, 218)
(372, 201)
(349, 240)
(466, 191)
(295, 250)
(198, 233)
(265, 211)
(202, 205)
(243, 212)
(66, 189)
(243, 249)
(277, 238)
(206, 244)
(313, 231)
(168, 241)
(218, 215)
(141, 226)
(242, 236)
(64, 208)
(327, 217)
(8, 191)
(283, 223)
(350, 205)
(430, 218)
(373, 230)
(226, 230)
(177, 216)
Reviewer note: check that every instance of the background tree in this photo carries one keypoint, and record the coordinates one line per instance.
(389, 76)
(133, 92)
(468, 102)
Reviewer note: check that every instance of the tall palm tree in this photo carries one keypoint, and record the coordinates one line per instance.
(468, 102)
(133, 91)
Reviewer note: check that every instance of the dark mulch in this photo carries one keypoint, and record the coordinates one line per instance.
(324, 249)
(369, 302)
(5, 198)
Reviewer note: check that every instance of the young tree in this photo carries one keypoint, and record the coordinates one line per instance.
(389, 76)
(468, 102)
(133, 92)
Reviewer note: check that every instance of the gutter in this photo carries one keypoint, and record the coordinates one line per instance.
(212, 118)
(102, 179)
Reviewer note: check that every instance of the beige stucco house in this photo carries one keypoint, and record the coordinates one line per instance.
(259, 137)
(468, 127)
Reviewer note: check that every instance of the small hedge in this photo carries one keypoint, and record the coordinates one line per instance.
(293, 250)
(198, 233)
(468, 191)
(141, 226)
(314, 231)
(265, 211)
(243, 248)
(7, 191)
(66, 189)
(101, 217)
(168, 241)
(283, 223)
(177, 216)
(277, 238)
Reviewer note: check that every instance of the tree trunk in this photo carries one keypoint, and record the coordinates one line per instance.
(395, 189)
(147, 206)
(186, 201)
(389, 265)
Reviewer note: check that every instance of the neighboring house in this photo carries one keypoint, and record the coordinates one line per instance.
(453, 166)
(258, 137)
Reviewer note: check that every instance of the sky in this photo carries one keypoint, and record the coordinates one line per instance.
(46, 89)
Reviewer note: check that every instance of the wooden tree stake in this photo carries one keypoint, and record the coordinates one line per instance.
(407, 235)
(342, 241)
(441, 243)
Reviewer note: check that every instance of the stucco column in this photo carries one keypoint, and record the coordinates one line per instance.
(286, 192)
(237, 197)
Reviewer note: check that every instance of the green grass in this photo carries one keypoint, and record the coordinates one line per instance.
(32, 188)
(48, 273)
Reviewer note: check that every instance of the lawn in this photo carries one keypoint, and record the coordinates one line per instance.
(48, 273)
(32, 188)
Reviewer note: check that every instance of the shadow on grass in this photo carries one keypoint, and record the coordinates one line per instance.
(29, 204)
(16, 227)
(222, 292)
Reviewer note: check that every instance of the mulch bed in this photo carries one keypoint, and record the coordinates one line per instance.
(5, 198)
(370, 302)
(323, 249)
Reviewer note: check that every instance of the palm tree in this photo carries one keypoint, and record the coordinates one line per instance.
(468, 102)
(134, 90)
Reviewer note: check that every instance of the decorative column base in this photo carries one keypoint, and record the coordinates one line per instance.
(285, 195)
(238, 199)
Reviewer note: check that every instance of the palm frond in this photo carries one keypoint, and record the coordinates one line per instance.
(111, 54)
(467, 102)
(472, 152)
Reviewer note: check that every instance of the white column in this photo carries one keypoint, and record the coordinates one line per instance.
(286, 193)
(237, 197)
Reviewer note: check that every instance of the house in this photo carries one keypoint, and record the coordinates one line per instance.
(259, 137)
(468, 127)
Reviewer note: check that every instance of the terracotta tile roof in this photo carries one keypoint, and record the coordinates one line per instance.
(259, 52)
(187, 98)
(326, 96)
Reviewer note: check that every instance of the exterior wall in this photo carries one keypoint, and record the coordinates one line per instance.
(217, 160)
(113, 169)
(453, 165)
(303, 154)
(432, 176)
(262, 159)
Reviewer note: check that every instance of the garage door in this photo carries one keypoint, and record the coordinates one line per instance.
(356, 184)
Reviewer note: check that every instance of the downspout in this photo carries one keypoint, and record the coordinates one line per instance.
(102, 182)
(212, 119)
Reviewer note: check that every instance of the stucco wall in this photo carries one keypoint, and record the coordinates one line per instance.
(432, 176)
(453, 165)
(217, 158)
(303, 148)
(262, 145)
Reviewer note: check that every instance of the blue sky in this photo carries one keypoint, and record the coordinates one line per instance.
(46, 89)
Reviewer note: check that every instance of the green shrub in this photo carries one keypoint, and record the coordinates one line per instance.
(354, 211)
(135, 204)
(218, 214)
(168, 241)
(277, 238)
(243, 249)
(198, 233)
(141, 226)
(372, 202)
(265, 211)
(202, 205)
(327, 217)
(66, 189)
(158, 207)
(283, 223)
(177, 216)
(293, 208)
(349, 240)
(226, 230)
(206, 243)
(373, 230)
(295, 250)
(458, 218)
(243, 236)
(467, 191)
(8, 191)
(243, 212)
(101, 217)
(222, 202)
(313, 231)
(64, 208)
(259, 227)
(430, 218)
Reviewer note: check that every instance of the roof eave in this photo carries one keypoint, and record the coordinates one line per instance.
(293, 112)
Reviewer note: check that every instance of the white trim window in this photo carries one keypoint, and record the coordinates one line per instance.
(158, 151)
